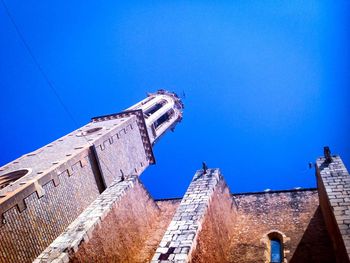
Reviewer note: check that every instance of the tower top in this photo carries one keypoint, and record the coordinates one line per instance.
(162, 110)
(177, 100)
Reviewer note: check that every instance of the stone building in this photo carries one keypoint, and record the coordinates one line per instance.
(80, 199)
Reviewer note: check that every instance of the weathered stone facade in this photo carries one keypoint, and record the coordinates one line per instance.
(294, 215)
(238, 228)
(113, 228)
(79, 199)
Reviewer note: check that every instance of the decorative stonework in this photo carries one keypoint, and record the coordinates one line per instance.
(39, 217)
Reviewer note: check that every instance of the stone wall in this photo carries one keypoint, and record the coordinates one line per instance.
(114, 228)
(292, 215)
(213, 244)
(167, 211)
(181, 240)
(333, 182)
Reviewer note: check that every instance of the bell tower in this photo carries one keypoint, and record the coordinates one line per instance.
(162, 110)
(58, 181)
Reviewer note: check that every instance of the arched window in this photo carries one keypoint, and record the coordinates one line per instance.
(276, 246)
(276, 250)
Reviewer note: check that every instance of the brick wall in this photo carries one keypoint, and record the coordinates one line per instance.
(121, 151)
(334, 190)
(210, 225)
(24, 234)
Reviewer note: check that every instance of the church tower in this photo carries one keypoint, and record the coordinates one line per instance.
(162, 111)
(42, 192)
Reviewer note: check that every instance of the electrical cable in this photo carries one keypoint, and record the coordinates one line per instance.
(42, 72)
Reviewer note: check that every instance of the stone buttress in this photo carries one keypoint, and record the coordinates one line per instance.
(112, 229)
(333, 183)
(199, 229)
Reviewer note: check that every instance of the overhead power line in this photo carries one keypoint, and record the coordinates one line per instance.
(42, 72)
(36, 62)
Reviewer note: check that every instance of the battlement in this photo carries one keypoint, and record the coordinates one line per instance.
(63, 178)
(67, 155)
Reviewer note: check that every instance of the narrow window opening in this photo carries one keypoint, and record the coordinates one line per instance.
(276, 250)
(165, 117)
(154, 108)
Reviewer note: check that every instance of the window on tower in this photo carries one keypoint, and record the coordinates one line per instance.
(154, 108)
(165, 117)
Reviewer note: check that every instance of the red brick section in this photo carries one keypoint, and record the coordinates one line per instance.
(293, 214)
(334, 190)
(26, 233)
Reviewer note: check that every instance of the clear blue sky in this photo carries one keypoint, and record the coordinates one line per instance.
(266, 83)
